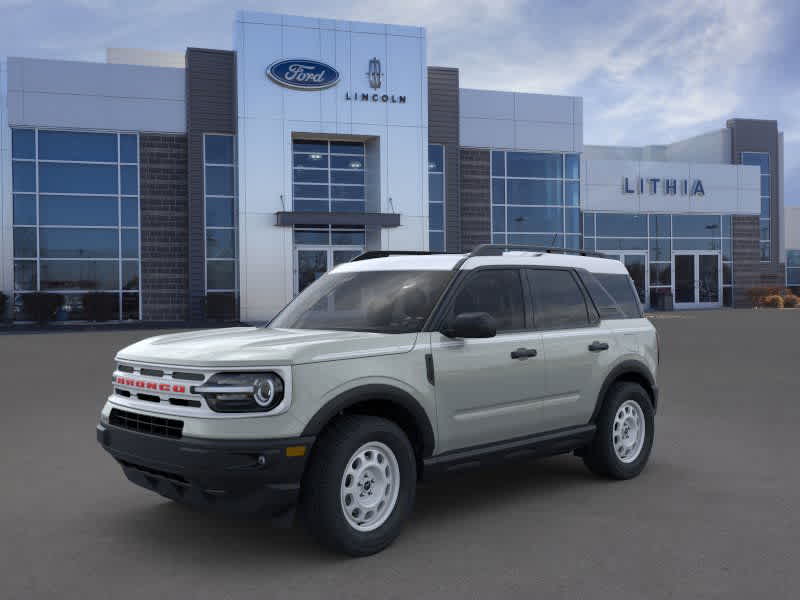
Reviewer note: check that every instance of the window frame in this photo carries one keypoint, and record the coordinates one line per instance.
(234, 227)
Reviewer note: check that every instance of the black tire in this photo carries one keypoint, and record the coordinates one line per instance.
(599, 456)
(320, 495)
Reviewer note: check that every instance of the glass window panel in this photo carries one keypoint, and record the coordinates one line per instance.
(130, 212)
(59, 242)
(763, 229)
(23, 176)
(219, 149)
(219, 181)
(498, 238)
(221, 274)
(572, 220)
(220, 243)
(498, 191)
(77, 145)
(436, 187)
(77, 210)
(527, 191)
(25, 242)
(129, 183)
(130, 243)
(766, 251)
(621, 243)
(727, 297)
(554, 240)
(77, 179)
(588, 244)
(347, 148)
(765, 208)
(660, 249)
(793, 277)
(727, 273)
(347, 192)
(436, 216)
(498, 163)
(695, 244)
(558, 301)
(727, 226)
(497, 292)
(312, 237)
(623, 225)
(311, 205)
(525, 219)
(130, 307)
(79, 275)
(436, 241)
(660, 226)
(219, 212)
(128, 148)
(572, 190)
(310, 146)
(696, 225)
(24, 209)
(573, 242)
(130, 274)
(314, 160)
(310, 191)
(23, 143)
(435, 158)
(588, 224)
(348, 206)
(660, 274)
(573, 166)
(346, 162)
(311, 175)
(759, 159)
(793, 258)
(531, 164)
(25, 275)
(348, 238)
(355, 177)
(498, 218)
(765, 185)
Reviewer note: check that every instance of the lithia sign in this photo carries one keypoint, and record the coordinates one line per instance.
(306, 74)
(667, 186)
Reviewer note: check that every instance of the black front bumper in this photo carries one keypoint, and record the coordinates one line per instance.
(240, 476)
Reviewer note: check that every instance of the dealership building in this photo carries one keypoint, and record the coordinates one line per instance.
(217, 184)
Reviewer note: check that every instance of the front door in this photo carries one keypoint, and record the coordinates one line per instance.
(696, 279)
(311, 263)
(636, 263)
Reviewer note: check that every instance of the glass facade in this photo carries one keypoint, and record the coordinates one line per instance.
(219, 160)
(793, 269)
(76, 219)
(328, 176)
(436, 197)
(761, 160)
(536, 198)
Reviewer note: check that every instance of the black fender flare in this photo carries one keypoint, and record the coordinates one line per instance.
(627, 367)
(376, 392)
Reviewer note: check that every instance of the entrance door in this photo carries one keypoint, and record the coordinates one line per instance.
(696, 279)
(311, 263)
(636, 263)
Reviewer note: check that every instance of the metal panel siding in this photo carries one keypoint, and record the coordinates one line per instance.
(476, 216)
(443, 128)
(210, 108)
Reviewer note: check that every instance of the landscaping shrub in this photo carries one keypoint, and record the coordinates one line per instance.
(773, 301)
(41, 306)
(790, 301)
(98, 306)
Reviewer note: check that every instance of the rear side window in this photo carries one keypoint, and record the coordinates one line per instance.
(620, 287)
(497, 292)
(607, 307)
(558, 302)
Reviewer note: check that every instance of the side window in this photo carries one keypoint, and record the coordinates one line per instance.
(497, 292)
(607, 307)
(621, 289)
(558, 301)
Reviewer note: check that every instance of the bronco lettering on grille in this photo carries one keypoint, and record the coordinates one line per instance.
(150, 385)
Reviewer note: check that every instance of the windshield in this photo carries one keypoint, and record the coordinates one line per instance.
(379, 301)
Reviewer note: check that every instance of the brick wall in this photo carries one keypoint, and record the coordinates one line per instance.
(476, 216)
(165, 226)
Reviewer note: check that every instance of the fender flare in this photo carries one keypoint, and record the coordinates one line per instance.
(371, 392)
(626, 367)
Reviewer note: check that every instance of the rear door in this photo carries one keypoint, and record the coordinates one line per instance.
(577, 348)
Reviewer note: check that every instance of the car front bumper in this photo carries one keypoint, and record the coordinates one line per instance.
(239, 476)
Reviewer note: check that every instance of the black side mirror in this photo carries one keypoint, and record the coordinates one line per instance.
(471, 325)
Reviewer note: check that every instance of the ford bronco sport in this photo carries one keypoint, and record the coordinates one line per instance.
(389, 368)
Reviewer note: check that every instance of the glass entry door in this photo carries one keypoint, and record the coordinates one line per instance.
(312, 263)
(636, 263)
(696, 279)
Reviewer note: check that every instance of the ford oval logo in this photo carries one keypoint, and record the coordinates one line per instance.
(303, 74)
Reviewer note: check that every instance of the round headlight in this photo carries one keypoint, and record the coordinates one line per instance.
(264, 392)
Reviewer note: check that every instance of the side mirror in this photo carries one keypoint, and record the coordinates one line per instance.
(471, 325)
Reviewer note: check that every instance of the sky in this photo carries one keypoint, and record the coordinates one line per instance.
(650, 72)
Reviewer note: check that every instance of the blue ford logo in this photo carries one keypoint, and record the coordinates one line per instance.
(302, 74)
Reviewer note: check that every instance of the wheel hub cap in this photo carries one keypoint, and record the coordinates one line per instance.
(629, 431)
(370, 486)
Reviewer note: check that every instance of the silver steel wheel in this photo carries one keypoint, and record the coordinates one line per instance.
(370, 486)
(629, 431)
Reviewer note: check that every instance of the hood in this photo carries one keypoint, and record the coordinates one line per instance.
(260, 346)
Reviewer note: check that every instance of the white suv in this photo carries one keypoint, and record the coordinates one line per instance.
(390, 368)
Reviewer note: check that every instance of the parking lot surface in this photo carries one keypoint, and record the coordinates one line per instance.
(715, 514)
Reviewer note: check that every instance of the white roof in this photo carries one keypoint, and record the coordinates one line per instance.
(446, 262)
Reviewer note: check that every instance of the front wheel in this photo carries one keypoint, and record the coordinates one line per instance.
(360, 485)
(625, 429)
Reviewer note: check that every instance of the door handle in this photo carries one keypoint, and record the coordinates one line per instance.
(598, 346)
(523, 353)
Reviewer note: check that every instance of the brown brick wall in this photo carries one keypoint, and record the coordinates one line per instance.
(476, 216)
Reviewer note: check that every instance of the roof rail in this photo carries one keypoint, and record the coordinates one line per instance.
(369, 254)
(499, 249)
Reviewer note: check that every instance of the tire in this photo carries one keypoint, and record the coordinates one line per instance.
(614, 453)
(354, 467)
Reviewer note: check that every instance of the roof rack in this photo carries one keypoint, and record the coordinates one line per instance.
(498, 249)
(369, 254)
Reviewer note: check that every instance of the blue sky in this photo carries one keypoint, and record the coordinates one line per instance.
(649, 72)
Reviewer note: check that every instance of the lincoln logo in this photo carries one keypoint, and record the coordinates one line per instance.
(150, 385)
(374, 74)
(301, 74)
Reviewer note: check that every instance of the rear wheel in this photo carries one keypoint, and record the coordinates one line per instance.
(624, 437)
(360, 485)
